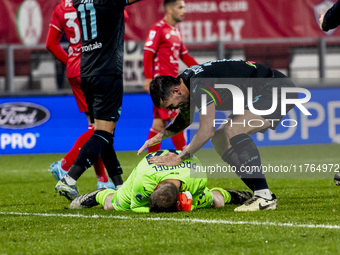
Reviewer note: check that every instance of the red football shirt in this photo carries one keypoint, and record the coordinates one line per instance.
(165, 41)
(64, 19)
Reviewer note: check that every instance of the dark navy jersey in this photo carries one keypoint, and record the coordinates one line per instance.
(102, 38)
(201, 79)
(332, 17)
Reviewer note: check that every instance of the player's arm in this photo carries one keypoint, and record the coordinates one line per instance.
(178, 124)
(53, 44)
(331, 19)
(150, 50)
(186, 58)
(182, 120)
(141, 192)
(205, 132)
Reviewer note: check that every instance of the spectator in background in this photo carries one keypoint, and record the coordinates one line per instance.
(162, 51)
(331, 19)
(64, 23)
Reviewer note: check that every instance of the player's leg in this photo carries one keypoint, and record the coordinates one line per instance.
(222, 146)
(110, 159)
(90, 152)
(227, 196)
(99, 168)
(98, 197)
(179, 139)
(244, 147)
(218, 197)
(245, 150)
(102, 179)
(157, 126)
(59, 169)
(106, 111)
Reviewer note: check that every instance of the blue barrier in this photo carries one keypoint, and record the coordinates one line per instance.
(51, 124)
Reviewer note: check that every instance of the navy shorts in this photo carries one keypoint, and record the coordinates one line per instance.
(104, 96)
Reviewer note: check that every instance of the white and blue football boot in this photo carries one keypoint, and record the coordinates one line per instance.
(68, 191)
(106, 185)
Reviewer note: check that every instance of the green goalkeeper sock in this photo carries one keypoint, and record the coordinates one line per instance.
(226, 195)
(102, 195)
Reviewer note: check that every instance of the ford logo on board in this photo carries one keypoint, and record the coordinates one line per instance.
(20, 115)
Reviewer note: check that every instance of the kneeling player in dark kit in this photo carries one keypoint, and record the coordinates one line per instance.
(226, 85)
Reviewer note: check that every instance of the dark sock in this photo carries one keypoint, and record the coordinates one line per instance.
(230, 156)
(90, 153)
(112, 164)
(249, 157)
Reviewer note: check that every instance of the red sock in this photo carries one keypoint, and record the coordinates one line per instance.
(99, 168)
(72, 155)
(156, 147)
(65, 165)
(179, 141)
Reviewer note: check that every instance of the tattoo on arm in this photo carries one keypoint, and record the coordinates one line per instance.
(184, 154)
(179, 123)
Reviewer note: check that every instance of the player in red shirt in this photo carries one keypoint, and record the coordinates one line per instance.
(64, 21)
(162, 51)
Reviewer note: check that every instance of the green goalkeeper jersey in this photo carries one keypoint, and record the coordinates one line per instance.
(136, 190)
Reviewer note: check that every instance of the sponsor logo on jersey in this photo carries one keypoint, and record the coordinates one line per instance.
(68, 3)
(20, 115)
(152, 34)
(251, 63)
(148, 43)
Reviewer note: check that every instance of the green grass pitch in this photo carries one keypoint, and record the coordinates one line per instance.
(36, 220)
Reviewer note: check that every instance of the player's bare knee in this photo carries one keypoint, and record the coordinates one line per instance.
(108, 202)
(220, 140)
(218, 200)
(232, 130)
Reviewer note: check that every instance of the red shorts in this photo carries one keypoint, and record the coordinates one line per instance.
(164, 114)
(78, 94)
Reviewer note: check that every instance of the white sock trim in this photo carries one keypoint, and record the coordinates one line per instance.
(264, 193)
(69, 180)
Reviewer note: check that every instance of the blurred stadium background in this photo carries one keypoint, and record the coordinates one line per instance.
(282, 34)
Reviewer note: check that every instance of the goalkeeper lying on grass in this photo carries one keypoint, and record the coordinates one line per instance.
(152, 188)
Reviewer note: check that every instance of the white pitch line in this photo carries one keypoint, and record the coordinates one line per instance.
(225, 222)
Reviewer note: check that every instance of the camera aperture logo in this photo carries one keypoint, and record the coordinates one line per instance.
(211, 95)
